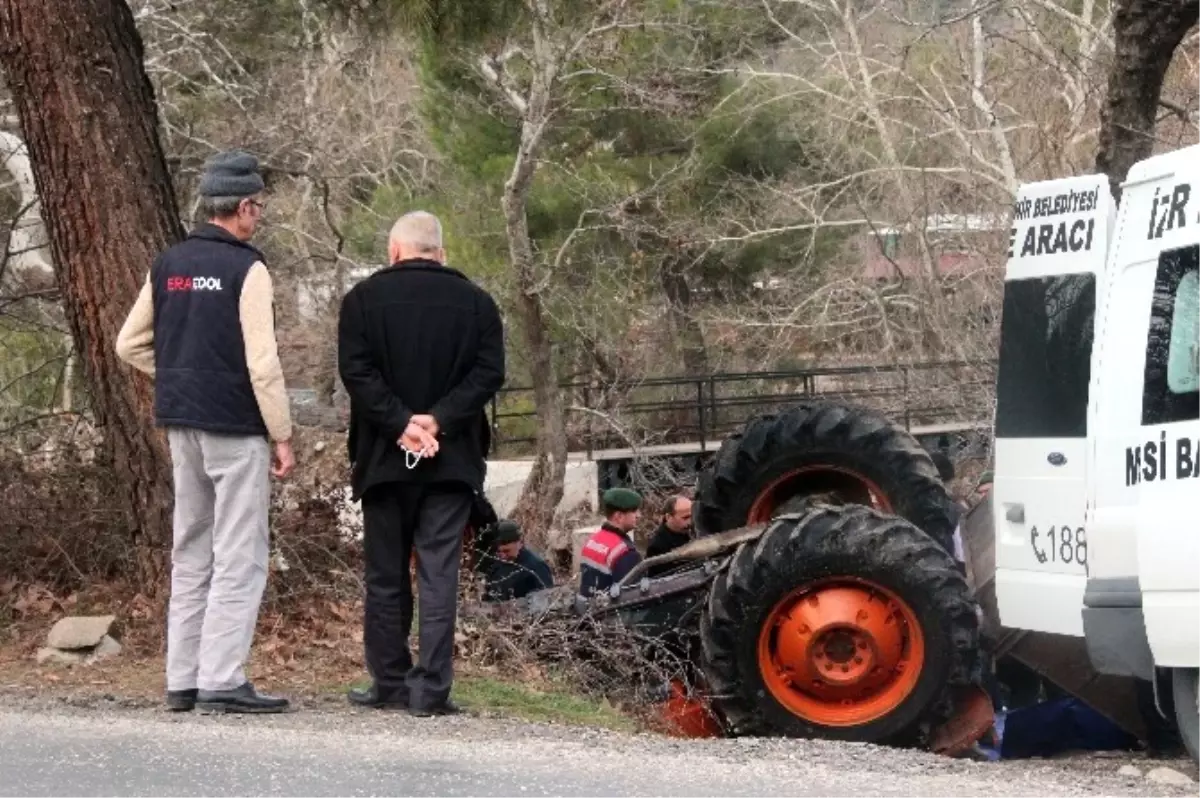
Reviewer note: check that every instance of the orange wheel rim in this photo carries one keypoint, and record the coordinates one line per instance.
(842, 652)
(846, 482)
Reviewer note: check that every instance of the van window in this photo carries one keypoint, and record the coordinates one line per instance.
(1045, 356)
(1172, 379)
(1183, 367)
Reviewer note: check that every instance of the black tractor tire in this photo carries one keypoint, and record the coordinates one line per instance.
(826, 544)
(815, 434)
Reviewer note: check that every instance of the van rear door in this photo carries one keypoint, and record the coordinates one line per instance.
(1053, 286)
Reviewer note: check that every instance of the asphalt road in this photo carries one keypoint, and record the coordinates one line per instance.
(99, 750)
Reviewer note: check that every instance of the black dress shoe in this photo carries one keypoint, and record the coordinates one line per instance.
(377, 698)
(181, 700)
(447, 707)
(244, 699)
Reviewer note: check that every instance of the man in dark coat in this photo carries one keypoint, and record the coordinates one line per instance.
(674, 531)
(609, 554)
(512, 571)
(421, 353)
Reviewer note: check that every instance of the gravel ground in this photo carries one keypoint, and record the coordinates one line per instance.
(99, 746)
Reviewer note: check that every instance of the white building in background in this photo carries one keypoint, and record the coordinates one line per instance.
(316, 292)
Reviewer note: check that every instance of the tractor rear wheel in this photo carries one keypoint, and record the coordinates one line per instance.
(822, 448)
(839, 623)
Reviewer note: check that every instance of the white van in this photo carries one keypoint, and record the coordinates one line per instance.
(1097, 425)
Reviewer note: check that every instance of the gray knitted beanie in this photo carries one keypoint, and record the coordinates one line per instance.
(231, 174)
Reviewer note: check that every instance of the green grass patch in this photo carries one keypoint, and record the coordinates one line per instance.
(544, 703)
(550, 704)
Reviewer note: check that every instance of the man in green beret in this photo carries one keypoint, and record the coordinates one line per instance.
(512, 571)
(609, 554)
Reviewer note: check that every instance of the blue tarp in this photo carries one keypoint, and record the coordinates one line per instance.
(1055, 727)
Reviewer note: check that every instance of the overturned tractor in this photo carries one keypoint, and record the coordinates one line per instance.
(820, 598)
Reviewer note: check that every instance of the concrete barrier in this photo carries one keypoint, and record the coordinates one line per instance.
(505, 481)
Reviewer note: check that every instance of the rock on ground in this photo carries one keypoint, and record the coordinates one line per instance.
(47, 654)
(80, 631)
(1130, 771)
(107, 648)
(1162, 775)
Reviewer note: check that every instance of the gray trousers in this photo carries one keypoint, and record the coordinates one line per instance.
(219, 556)
(398, 520)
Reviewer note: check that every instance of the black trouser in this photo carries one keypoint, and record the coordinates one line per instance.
(398, 518)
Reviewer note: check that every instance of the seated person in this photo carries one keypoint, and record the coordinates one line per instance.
(674, 531)
(512, 571)
(609, 554)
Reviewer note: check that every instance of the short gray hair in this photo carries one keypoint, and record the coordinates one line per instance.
(217, 207)
(419, 229)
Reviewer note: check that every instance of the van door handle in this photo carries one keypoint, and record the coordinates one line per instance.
(1015, 513)
(1056, 459)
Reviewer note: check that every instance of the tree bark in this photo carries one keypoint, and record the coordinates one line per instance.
(544, 488)
(90, 122)
(1145, 36)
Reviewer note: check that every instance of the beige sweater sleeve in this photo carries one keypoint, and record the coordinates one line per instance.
(262, 353)
(135, 341)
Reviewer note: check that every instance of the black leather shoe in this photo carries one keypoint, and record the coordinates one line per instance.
(447, 707)
(244, 699)
(181, 700)
(376, 698)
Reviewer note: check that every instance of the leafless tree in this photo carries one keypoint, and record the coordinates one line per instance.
(536, 73)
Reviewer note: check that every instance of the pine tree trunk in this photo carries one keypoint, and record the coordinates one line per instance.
(89, 119)
(1145, 36)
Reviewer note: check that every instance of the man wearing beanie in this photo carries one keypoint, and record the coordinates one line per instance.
(203, 327)
(512, 571)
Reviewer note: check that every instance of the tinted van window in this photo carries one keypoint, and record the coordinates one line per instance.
(1045, 356)
(1172, 385)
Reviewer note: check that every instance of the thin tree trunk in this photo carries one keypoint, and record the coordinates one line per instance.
(544, 488)
(89, 119)
(1145, 36)
(873, 110)
(688, 331)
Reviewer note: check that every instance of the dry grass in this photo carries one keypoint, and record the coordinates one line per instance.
(306, 670)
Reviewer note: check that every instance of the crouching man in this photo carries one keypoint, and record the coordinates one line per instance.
(513, 571)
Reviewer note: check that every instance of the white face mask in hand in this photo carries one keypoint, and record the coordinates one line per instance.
(411, 458)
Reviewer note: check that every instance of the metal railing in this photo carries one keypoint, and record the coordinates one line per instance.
(707, 408)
